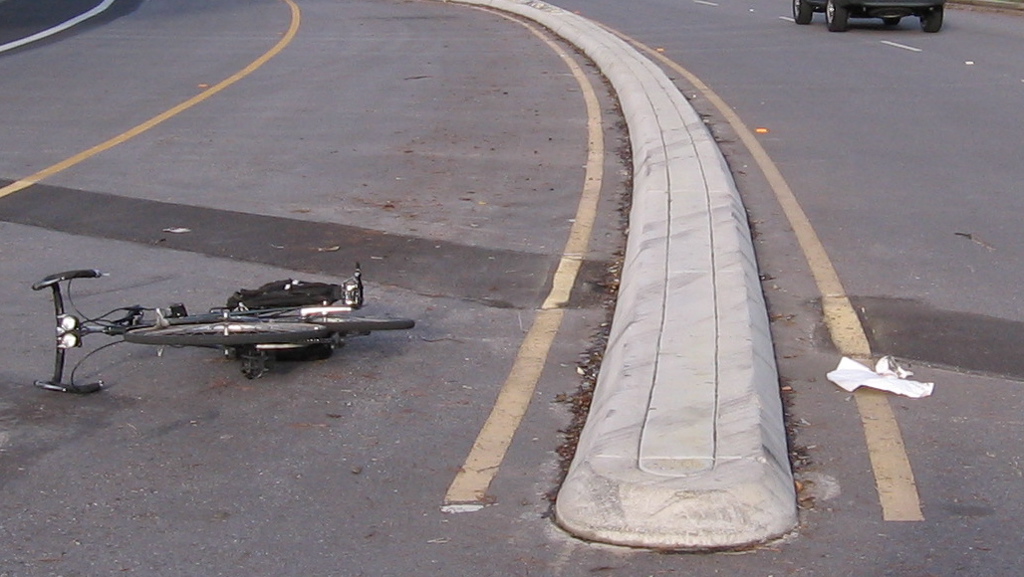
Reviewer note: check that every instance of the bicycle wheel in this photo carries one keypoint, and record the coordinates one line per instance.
(229, 333)
(339, 324)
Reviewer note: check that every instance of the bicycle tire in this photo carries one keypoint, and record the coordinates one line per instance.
(337, 324)
(228, 333)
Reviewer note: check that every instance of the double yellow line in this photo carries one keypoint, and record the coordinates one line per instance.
(293, 28)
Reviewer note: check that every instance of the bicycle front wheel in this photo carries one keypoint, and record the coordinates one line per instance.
(229, 333)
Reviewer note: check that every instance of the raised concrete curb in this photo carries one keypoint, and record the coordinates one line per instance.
(685, 446)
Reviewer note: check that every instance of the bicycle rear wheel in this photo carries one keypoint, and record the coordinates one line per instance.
(230, 333)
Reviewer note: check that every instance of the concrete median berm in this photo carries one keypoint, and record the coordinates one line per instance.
(684, 446)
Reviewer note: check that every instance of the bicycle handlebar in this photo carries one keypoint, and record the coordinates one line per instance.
(66, 275)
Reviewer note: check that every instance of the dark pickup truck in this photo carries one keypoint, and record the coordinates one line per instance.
(839, 12)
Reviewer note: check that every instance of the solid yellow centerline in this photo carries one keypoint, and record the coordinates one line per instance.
(469, 488)
(49, 171)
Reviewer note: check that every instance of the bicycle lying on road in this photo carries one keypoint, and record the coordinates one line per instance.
(255, 327)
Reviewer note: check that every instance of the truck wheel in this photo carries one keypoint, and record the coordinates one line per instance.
(802, 12)
(837, 17)
(932, 21)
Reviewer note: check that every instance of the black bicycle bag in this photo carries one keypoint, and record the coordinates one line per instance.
(286, 294)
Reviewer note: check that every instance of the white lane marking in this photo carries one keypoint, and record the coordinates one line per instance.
(787, 18)
(901, 46)
(705, 3)
(99, 9)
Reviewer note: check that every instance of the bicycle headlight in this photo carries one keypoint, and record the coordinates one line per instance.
(66, 323)
(67, 332)
(68, 341)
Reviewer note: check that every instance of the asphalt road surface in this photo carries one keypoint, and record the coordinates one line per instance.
(443, 147)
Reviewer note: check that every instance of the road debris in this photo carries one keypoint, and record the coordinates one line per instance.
(887, 376)
(974, 238)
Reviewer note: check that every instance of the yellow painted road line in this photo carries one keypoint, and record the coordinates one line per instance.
(897, 490)
(481, 466)
(586, 212)
(894, 478)
(293, 28)
(468, 490)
